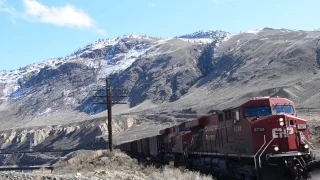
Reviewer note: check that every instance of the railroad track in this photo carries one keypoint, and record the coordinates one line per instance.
(45, 151)
(43, 169)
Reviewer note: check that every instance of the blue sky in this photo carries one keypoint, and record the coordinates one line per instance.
(36, 30)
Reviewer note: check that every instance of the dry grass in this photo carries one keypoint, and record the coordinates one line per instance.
(89, 161)
(169, 173)
(116, 165)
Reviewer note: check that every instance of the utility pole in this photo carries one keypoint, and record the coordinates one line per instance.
(109, 104)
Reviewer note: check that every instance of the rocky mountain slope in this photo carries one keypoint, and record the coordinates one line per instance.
(267, 62)
(68, 84)
(168, 80)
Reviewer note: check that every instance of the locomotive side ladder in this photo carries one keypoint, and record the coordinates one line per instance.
(257, 156)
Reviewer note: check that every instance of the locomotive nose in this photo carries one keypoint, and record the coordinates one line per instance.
(289, 134)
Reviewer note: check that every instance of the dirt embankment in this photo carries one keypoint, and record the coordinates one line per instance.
(105, 165)
(102, 165)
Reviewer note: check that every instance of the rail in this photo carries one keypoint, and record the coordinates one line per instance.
(44, 169)
(5, 152)
(31, 152)
(27, 168)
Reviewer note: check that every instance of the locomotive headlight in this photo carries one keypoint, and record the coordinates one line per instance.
(281, 119)
(306, 146)
(281, 123)
(276, 148)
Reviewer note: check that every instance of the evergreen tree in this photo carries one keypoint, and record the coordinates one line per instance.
(206, 59)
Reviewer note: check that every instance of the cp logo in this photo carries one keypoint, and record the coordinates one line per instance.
(279, 133)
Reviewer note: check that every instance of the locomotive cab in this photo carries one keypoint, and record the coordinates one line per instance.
(279, 137)
(275, 120)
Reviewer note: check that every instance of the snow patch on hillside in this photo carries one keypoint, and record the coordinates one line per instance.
(134, 36)
(48, 110)
(114, 65)
(256, 31)
(198, 41)
(11, 78)
(217, 35)
(102, 44)
(229, 36)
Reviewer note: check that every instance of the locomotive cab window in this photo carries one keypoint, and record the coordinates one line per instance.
(291, 123)
(257, 111)
(183, 129)
(283, 109)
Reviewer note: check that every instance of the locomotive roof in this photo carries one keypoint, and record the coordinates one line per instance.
(267, 102)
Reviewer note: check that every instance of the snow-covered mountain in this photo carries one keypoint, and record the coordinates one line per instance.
(114, 55)
(166, 76)
(104, 54)
(68, 83)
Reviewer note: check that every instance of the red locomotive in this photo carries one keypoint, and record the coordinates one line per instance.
(261, 139)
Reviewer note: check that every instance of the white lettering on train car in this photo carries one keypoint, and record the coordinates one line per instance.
(237, 128)
(212, 128)
(211, 137)
(279, 133)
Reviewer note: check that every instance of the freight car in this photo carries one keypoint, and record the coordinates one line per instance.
(261, 139)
